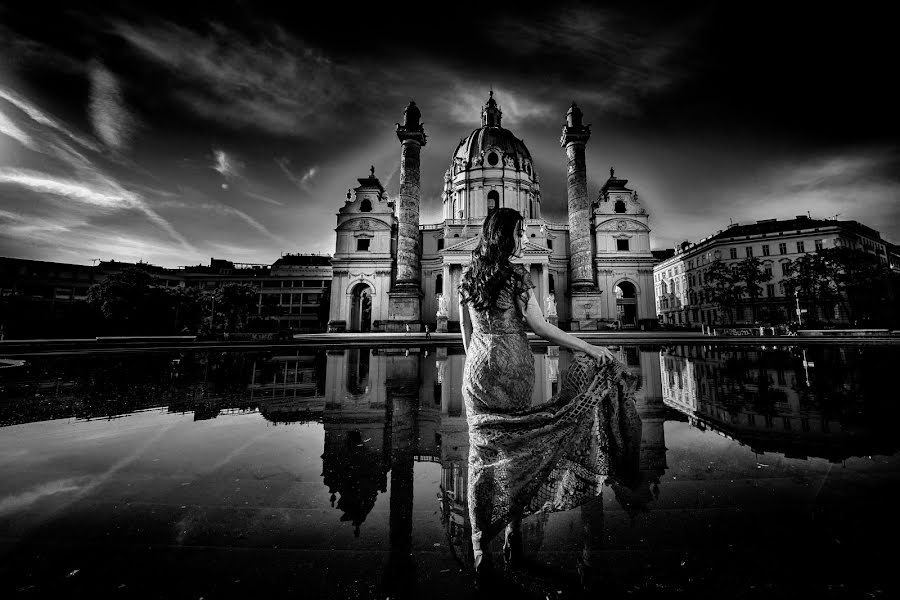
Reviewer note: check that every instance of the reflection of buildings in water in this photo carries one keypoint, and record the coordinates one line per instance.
(769, 399)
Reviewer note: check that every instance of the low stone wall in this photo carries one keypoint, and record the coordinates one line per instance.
(843, 332)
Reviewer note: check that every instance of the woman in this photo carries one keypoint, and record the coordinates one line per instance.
(525, 459)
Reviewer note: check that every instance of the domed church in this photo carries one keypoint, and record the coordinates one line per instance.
(392, 272)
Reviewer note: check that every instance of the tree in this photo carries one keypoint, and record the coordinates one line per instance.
(861, 283)
(236, 302)
(723, 287)
(809, 279)
(749, 272)
(129, 301)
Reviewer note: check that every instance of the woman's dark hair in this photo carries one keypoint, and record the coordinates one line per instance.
(491, 271)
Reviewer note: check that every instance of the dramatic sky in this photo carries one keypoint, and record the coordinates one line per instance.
(172, 133)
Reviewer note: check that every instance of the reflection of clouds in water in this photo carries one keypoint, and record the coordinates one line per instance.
(24, 500)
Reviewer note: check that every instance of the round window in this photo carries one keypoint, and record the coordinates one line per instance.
(493, 159)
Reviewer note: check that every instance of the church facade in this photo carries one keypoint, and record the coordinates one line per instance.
(391, 273)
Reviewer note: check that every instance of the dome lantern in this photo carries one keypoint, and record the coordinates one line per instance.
(491, 113)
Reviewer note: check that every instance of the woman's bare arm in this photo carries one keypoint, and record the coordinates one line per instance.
(535, 319)
(465, 322)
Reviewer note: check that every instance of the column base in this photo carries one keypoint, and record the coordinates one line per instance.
(441, 324)
(586, 309)
(553, 320)
(404, 309)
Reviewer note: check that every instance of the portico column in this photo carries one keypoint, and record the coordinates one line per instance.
(545, 284)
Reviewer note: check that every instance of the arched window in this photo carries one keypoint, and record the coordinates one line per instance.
(365, 205)
(493, 200)
(493, 159)
(620, 206)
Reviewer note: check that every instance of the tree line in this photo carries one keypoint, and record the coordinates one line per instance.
(865, 289)
(133, 302)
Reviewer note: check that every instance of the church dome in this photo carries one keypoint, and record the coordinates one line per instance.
(491, 137)
(490, 168)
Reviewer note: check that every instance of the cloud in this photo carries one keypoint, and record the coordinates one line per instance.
(38, 116)
(105, 194)
(226, 165)
(611, 61)
(264, 198)
(8, 128)
(230, 210)
(277, 84)
(110, 117)
(301, 181)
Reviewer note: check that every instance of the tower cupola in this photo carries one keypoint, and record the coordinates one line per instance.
(491, 113)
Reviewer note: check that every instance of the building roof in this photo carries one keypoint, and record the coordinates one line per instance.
(661, 255)
(310, 260)
(798, 222)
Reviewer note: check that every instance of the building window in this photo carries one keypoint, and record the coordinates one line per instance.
(622, 245)
(749, 251)
(440, 243)
(800, 247)
(782, 248)
(365, 205)
(818, 244)
(732, 252)
(765, 249)
(785, 269)
(770, 290)
(620, 206)
(439, 284)
(493, 159)
(550, 244)
(552, 283)
(362, 244)
(768, 270)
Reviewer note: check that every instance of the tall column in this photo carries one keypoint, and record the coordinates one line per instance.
(406, 295)
(575, 136)
(585, 296)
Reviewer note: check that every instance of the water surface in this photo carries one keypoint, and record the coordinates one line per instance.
(342, 473)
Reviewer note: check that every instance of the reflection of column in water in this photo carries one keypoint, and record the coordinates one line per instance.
(402, 389)
(592, 529)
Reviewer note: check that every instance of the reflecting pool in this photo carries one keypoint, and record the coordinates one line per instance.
(763, 472)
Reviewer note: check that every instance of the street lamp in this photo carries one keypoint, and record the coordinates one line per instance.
(799, 316)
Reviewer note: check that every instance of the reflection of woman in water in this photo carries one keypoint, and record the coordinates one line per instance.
(524, 459)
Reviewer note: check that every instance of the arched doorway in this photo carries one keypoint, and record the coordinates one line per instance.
(626, 304)
(493, 201)
(360, 308)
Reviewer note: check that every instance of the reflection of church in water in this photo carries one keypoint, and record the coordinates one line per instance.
(390, 272)
(388, 409)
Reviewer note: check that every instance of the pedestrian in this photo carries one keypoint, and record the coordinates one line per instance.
(427, 333)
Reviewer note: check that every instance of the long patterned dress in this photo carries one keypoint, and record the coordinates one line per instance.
(555, 456)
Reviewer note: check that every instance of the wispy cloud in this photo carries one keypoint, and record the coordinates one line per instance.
(277, 84)
(38, 116)
(8, 128)
(302, 181)
(617, 61)
(230, 210)
(112, 121)
(226, 165)
(106, 195)
(264, 198)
